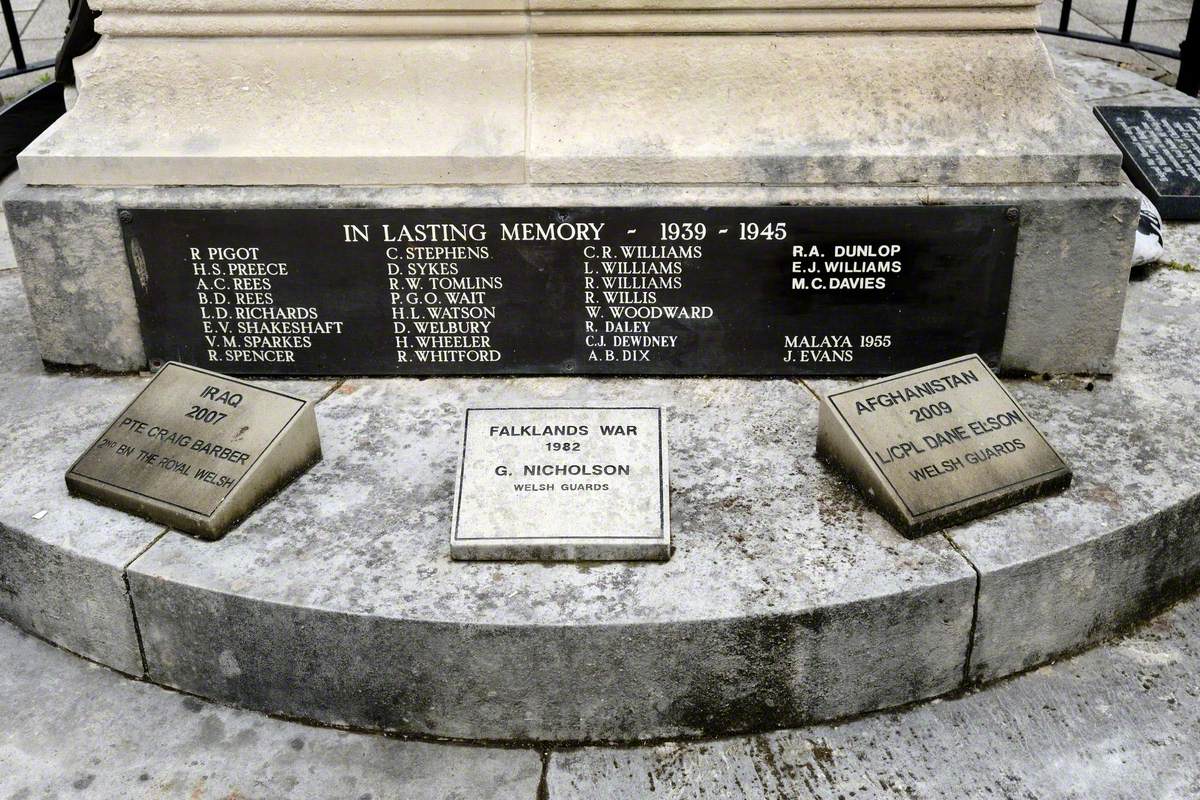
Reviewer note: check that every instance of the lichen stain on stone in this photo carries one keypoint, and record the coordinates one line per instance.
(744, 683)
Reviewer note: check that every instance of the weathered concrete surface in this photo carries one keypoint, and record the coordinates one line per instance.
(62, 559)
(1125, 539)
(1067, 294)
(1118, 723)
(454, 112)
(1182, 245)
(61, 572)
(1096, 81)
(784, 602)
(73, 729)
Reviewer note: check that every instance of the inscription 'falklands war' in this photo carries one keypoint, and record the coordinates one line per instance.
(563, 484)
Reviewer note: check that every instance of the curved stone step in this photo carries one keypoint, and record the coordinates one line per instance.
(1116, 722)
(788, 600)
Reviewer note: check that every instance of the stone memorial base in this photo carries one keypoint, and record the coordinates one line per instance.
(788, 599)
(403, 104)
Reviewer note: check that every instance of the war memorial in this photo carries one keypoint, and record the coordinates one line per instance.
(541, 373)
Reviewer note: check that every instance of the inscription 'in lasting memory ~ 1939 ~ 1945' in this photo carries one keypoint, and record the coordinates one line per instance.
(778, 290)
(938, 445)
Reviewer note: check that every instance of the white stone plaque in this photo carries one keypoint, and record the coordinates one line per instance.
(563, 484)
(938, 445)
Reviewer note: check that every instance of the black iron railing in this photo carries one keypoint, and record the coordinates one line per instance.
(20, 65)
(1188, 53)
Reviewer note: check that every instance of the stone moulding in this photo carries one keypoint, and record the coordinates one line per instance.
(553, 21)
(801, 92)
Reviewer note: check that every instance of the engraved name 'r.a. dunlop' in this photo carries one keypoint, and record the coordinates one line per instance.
(938, 445)
(198, 451)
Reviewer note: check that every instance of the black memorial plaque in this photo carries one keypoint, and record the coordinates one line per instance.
(1161, 145)
(637, 291)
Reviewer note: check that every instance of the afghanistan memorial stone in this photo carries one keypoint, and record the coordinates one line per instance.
(938, 445)
(563, 484)
(1161, 146)
(198, 451)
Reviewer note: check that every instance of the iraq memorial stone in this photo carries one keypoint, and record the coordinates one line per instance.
(563, 484)
(938, 445)
(198, 451)
(1162, 154)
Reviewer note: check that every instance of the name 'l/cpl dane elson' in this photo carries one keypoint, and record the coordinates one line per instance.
(938, 445)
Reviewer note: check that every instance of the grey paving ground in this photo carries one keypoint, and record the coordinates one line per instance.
(73, 729)
(1121, 722)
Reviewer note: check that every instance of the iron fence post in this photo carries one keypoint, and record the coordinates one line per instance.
(14, 35)
(1189, 56)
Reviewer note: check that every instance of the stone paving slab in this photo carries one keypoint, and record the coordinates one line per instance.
(73, 729)
(1096, 80)
(1182, 246)
(1160, 97)
(1113, 11)
(1119, 56)
(1118, 723)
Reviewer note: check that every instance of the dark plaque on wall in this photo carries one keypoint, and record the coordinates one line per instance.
(1161, 145)
(601, 291)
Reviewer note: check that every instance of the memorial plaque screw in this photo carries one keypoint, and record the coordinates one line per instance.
(1013, 214)
(156, 364)
(126, 217)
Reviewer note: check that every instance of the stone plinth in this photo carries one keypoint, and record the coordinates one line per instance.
(788, 599)
(636, 91)
(484, 102)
